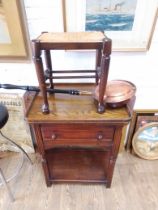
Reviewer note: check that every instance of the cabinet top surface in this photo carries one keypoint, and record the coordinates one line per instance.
(64, 37)
(68, 108)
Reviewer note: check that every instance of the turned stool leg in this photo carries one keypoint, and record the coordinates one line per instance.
(105, 61)
(40, 74)
(49, 67)
(97, 65)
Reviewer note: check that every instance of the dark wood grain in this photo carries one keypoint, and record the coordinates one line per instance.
(78, 165)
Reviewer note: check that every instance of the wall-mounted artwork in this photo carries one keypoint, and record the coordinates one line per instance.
(110, 15)
(13, 35)
(129, 23)
(4, 32)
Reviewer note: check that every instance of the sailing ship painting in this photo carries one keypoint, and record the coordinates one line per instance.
(110, 15)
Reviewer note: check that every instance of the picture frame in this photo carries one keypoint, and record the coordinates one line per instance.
(139, 116)
(145, 141)
(137, 39)
(13, 33)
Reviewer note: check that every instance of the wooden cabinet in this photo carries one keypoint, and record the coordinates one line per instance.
(76, 143)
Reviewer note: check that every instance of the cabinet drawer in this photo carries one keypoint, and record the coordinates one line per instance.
(76, 134)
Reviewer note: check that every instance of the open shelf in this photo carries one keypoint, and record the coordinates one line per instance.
(69, 164)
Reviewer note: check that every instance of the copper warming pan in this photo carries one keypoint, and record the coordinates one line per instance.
(118, 92)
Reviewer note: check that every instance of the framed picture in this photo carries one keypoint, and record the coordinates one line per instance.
(145, 141)
(130, 24)
(13, 34)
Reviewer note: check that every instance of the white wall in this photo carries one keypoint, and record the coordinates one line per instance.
(139, 68)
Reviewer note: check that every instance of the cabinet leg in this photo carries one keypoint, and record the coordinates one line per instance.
(108, 185)
(110, 173)
(48, 183)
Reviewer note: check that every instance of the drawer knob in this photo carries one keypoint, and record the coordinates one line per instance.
(100, 136)
(54, 136)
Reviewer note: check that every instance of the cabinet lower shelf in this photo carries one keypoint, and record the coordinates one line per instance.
(77, 165)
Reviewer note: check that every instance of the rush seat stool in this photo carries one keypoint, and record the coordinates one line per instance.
(4, 116)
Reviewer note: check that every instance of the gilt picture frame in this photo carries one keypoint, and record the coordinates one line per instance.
(135, 38)
(13, 34)
(145, 141)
